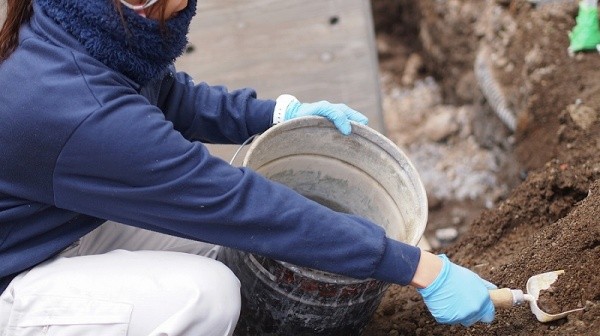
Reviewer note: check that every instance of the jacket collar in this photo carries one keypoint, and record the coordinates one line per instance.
(132, 45)
(42, 26)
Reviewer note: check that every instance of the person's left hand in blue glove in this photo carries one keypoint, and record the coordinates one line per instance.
(288, 107)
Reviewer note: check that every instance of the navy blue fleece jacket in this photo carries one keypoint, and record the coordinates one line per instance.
(81, 144)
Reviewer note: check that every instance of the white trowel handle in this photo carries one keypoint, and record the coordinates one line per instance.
(506, 297)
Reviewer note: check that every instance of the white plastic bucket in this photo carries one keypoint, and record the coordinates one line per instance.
(364, 174)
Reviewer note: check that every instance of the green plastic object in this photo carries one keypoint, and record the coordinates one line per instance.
(586, 34)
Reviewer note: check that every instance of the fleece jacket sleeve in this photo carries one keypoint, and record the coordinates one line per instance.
(126, 163)
(212, 114)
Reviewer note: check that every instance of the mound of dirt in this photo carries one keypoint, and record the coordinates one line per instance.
(548, 222)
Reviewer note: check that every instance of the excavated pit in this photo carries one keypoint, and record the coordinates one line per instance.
(503, 126)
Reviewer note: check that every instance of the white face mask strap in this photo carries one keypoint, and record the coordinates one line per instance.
(145, 5)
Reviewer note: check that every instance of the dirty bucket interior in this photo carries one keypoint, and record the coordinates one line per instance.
(363, 174)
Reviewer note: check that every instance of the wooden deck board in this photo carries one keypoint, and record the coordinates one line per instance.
(315, 50)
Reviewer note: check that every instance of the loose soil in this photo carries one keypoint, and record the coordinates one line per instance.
(540, 211)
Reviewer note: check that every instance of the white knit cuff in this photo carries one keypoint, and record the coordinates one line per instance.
(281, 104)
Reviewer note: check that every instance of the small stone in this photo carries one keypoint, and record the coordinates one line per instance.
(446, 234)
(582, 115)
(440, 126)
(411, 69)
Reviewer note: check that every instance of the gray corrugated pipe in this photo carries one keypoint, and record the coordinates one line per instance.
(491, 89)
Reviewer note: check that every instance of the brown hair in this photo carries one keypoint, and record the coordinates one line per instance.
(19, 12)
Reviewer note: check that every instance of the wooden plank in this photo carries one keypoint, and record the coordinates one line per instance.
(315, 50)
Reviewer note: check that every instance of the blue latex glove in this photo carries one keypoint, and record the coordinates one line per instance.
(339, 114)
(458, 295)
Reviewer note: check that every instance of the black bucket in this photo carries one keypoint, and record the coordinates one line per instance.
(363, 174)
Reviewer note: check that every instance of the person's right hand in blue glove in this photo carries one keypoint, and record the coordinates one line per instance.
(287, 107)
(457, 295)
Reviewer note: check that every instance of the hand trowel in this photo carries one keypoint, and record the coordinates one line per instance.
(506, 297)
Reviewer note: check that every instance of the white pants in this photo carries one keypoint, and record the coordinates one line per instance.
(123, 281)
